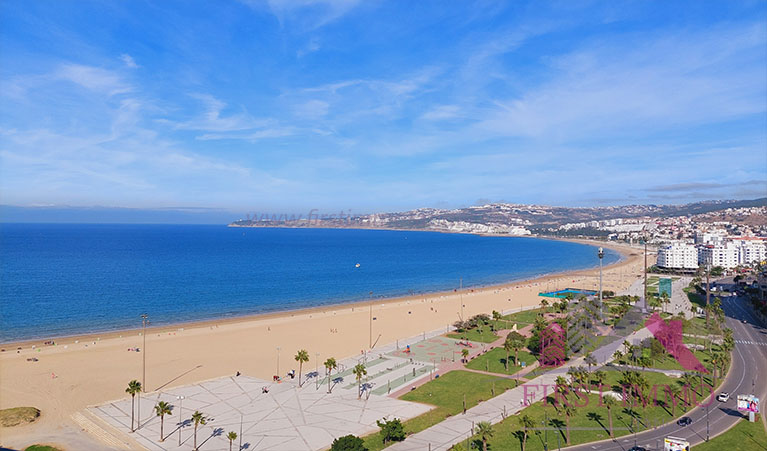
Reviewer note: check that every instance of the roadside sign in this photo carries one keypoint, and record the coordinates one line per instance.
(675, 444)
(748, 403)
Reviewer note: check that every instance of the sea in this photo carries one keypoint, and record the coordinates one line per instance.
(69, 279)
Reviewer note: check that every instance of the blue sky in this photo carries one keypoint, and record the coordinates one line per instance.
(284, 106)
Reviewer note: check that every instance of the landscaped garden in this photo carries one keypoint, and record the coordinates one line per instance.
(447, 394)
(494, 361)
(744, 436)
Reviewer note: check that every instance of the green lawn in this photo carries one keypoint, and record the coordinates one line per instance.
(446, 393)
(493, 361)
(744, 436)
(18, 415)
(41, 448)
(486, 336)
(592, 418)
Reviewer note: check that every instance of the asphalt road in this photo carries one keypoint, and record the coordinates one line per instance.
(748, 374)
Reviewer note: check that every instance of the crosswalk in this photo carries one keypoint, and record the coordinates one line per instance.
(748, 342)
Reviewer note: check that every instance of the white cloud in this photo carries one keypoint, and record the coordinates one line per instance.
(442, 112)
(93, 78)
(129, 61)
(213, 120)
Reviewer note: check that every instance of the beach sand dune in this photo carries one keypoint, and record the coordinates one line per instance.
(82, 371)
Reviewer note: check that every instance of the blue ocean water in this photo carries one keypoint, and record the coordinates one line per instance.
(63, 279)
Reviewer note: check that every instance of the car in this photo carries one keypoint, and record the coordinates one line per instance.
(637, 448)
(723, 397)
(743, 321)
(684, 421)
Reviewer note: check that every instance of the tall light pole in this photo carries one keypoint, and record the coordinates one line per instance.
(460, 295)
(600, 254)
(317, 369)
(278, 361)
(144, 321)
(370, 346)
(707, 432)
(180, 416)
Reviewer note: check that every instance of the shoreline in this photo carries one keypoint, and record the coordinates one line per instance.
(64, 379)
(622, 250)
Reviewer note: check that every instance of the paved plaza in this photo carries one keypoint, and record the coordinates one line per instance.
(285, 418)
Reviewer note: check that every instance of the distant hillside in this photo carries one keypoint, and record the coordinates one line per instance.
(501, 217)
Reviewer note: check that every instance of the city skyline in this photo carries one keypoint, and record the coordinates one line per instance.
(365, 106)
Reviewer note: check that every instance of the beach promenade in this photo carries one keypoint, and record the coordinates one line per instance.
(79, 372)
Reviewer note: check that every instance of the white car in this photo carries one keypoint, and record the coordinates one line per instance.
(723, 397)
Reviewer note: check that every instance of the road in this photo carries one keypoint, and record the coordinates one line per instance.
(747, 375)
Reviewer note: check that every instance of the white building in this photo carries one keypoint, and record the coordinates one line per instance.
(724, 255)
(751, 251)
(713, 236)
(678, 256)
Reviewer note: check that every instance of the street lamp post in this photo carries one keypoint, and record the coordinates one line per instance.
(600, 254)
(707, 431)
(317, 369)
(545, 432)
(278, 361)
(180, 416)
(144, 321)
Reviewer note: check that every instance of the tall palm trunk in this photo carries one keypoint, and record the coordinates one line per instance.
(328, 381)
(524, 440)
(567, 429)
(300, 366)
(162, 424)
(132, 409)
(610, 419)
(195, 437)
(484, 444)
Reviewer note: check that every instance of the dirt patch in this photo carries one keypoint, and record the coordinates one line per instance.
(18, 415)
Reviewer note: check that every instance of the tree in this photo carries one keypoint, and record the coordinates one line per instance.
(517, 341)
(330, 365)
(348, 443)
(673, 392)
(198, 419)
(359, 371)
(568, 410)
(391, 430)
(609, 402)
(485, 432)
(508, 347)
(232, 436)
(600, 377)
(134, 387)
(301, 357)
(617, 355)
(163, 408)
(544, 304)
(590, 360)
(527, 423)
(464, 354)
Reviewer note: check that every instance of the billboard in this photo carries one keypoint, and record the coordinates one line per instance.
(748, 403)
(675, 444)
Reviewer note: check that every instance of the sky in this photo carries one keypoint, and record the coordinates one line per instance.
(366, 106)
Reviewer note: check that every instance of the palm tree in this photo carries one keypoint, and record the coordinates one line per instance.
(485, 431)
(198, 419)
(508, 347)
(330, 365)
(134, 387)
(527, 423)
(568, 410)
(359, 371)
(609, 402)
(163, 408)
(301, 357)
(599, 377)
(674, 392)
(464, 353)
(517, 342)
(232, 436)
(590, 360)
(544, 304)
(617, 355)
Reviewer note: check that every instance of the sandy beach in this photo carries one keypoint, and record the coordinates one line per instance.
(82, 371)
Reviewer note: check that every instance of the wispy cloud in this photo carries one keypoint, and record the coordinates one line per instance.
(93, 78)
(129, 61)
